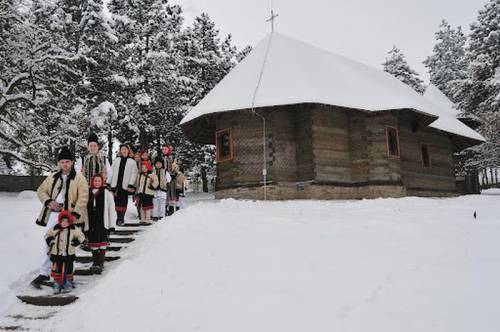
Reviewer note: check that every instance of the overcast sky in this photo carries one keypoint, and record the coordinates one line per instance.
(364, 30)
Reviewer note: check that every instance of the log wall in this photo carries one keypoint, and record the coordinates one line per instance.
(439, 178)
(324, 152)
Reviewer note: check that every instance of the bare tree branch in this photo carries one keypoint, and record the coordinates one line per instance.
(18, 157)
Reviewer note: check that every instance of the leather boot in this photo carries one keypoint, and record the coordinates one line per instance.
(121, 218)
(39, 281)
(95, 262)
(102, 258)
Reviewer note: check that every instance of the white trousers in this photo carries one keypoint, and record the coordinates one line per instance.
(45, 257)
(158, 207)
(181, 203)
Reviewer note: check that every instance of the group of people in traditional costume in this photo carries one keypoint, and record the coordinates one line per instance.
(85, 200)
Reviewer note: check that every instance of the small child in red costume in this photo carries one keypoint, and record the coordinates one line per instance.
(63, 239)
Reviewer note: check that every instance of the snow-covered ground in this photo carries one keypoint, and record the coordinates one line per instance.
(408, 264)
(20, 243)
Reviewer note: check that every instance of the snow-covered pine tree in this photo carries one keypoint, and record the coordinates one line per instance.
(91, 40)
(478, 94)
(9, 27)
(96, 48)
(147, 31)
(38, 84)
(62, 60)
(207, 60)
(103, 119)
(487, 155)
(396, 65)
(124, 74)
(10, 22)
(448, 62)
(243, 53)
(480, 91)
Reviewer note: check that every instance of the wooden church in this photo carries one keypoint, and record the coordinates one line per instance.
(324, 127)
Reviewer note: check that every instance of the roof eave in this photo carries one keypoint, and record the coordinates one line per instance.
(202, 128)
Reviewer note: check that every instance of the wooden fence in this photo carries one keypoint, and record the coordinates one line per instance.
(14, 183)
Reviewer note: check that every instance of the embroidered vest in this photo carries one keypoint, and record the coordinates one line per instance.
(92, 165)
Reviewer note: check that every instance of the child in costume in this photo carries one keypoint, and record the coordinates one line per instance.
(180, 186)
(101, 219)
(160, 197)
(146, 184)
(63, 239)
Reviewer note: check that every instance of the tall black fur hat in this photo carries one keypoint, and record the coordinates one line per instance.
(65, 154)
(159, 160)
(93, 138)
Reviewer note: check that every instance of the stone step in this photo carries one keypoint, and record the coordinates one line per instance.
(85, 272)
(114, 248)
(109, 248)
(12, 328)
(48, 300)
(138, 224)
(121, 239)
(125, 232)
(82, 272)
(65, 299)
(88, 259)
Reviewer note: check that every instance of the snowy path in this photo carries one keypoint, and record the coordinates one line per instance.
(407, 264)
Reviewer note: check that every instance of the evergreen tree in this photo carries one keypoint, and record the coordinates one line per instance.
(209, 59)
(65, 67)
(243, 53)
(147, 32)
(96, 45)
(35, 97)
(479, 92)
(396, 65)
(448, 62)
(10, 22)
(206, 60)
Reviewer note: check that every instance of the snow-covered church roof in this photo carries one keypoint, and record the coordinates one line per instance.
(437, 97)
(294, 72)
(448, 114)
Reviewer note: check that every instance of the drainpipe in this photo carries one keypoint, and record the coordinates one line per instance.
(264, 168)
(264, 156)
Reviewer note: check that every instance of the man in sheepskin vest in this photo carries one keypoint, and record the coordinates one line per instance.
(63, 190)
(94, 162)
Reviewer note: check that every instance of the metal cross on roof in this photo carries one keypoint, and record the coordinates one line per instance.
(271, 19)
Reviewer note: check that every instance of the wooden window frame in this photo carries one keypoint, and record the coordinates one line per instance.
(218, 158)
(428, 155)
(387, 128)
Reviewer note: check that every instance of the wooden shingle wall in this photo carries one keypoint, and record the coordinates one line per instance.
(325, 152)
